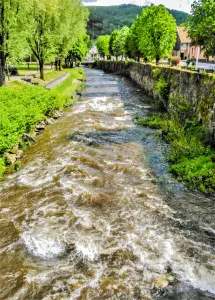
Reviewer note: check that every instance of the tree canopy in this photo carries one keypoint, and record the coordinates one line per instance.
(47, 28)
(201, 26)
(103, 45)
(157, 29)
(12, 32)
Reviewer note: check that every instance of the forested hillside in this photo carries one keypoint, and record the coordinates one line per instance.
(104, 19)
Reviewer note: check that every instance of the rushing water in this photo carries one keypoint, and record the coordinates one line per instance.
(94, 213)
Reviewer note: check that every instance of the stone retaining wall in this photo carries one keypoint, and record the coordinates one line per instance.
(190, 93)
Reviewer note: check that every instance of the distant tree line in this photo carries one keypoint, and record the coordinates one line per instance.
(151, 36)
(51, 30)
(104, 20)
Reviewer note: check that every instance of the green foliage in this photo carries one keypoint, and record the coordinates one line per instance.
(117, 42)
(192, 161)
(2, 167)
(54, 27)
(79, 49)
(155, 122)
(157, 29)
(24, 106)
(162, 88)
(132, 41)
(174, 60)
(103, 45)
(201, 26)
(13, 32)
(113, 40)
(105, 19)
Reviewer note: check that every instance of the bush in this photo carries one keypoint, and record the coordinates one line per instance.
(162, 88)
(192, 161)
(174, 60)
(24, 106)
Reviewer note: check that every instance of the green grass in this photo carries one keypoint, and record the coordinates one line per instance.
(191, 159)
(68, 87)
(49, 76)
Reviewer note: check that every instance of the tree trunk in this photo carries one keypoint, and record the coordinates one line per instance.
(71, 62)
(41, 63)
(60, 65)
(157, 59)
(56, 65)
(65, 62)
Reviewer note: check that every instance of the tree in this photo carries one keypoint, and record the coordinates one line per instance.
(132, 41)
(42, 25)
(113, 38)
(201, 26)
(105, 19)
(157, 32)
(54, 27)
(12, 32)
(117, 42)
(79, 50)
(71, 27)
(102, 45)
(95, 26)
(122, 40)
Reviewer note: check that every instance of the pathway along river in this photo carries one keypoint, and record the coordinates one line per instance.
(94, 214)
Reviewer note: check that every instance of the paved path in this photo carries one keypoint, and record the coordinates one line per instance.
(54, 83)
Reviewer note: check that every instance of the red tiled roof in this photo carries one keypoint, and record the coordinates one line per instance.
(183, 36)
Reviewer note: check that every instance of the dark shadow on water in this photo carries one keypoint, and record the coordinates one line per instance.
(107, 137)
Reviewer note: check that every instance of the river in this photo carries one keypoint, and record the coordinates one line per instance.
(94, 213)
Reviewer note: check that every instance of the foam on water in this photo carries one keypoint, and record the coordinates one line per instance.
(42, 244)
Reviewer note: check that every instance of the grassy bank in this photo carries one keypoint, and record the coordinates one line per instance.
(49, 76)
(23, 106)
(70, 85)
(191, 159)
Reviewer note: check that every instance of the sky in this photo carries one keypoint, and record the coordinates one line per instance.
(184, 5)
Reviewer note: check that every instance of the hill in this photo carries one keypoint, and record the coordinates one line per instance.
(104, 19)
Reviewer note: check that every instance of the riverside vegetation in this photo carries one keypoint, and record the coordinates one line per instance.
(24, 106)
(191, 158)
(189, 124)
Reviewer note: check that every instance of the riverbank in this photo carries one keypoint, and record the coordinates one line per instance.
(189, 126)
(27, 111)
(94, 213)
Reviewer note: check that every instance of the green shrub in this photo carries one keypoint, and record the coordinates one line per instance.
(22, 107)
(162, 88)
(174, 60)
(192, 160)
(2, 167)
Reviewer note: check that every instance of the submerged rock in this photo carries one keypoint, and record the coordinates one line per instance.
(19, 154)
(163, 281)
(10, 158)
(14, 150)
(28, 137)
(40, 126)
(57, 114)
(50, 121)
